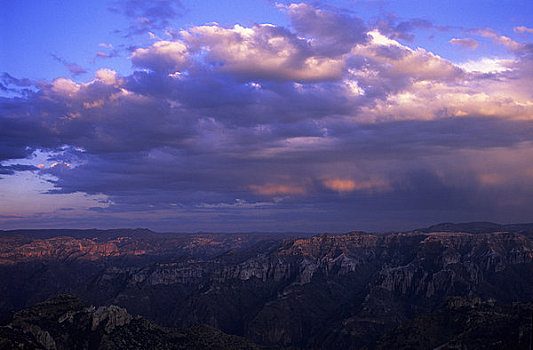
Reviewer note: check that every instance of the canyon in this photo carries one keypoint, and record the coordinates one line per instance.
(355, 290)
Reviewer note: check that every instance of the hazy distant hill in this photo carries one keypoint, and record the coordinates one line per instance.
(81, 233)
(478, 227)
(143, 233)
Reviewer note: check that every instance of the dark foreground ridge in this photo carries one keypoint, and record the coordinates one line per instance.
(464, 323)
(66, 323)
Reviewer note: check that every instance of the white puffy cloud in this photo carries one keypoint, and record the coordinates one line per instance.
(262, 52)
(162, 56)
(487, 65)
(107, 76)
(65, 86)
(389, 58)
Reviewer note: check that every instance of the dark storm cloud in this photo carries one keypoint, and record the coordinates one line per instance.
(21, 130)
(323, 123)
(401, 151)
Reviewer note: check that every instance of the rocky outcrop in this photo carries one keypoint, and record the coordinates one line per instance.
(65, 323)
(110, 317)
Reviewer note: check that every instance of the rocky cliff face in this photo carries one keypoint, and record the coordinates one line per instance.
(326, 291)
(97, 245)
(13, 251)
(36, 265)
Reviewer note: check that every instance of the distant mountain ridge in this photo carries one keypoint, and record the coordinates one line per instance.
(81, 233)
(467, 227)
(136, 233)
(477, 227)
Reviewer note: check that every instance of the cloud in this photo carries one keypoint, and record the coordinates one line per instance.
(148, 16)
(324, 124)
(348, 185)
(340, 185)
(165, 56)
(15, 86)
(467, 42)
(73, 68)
(262, 52)
(107, 76)
(523, 29)
(273, 189)
(11, 169)
(397, 29)
(487, 65)
(238, 203)
(316, 51)
(330, 33)
(388, 67)
(112, 52)
(499, 39)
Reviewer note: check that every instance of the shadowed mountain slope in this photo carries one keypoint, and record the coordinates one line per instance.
(66, 323)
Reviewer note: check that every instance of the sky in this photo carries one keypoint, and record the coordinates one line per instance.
(259, 115)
